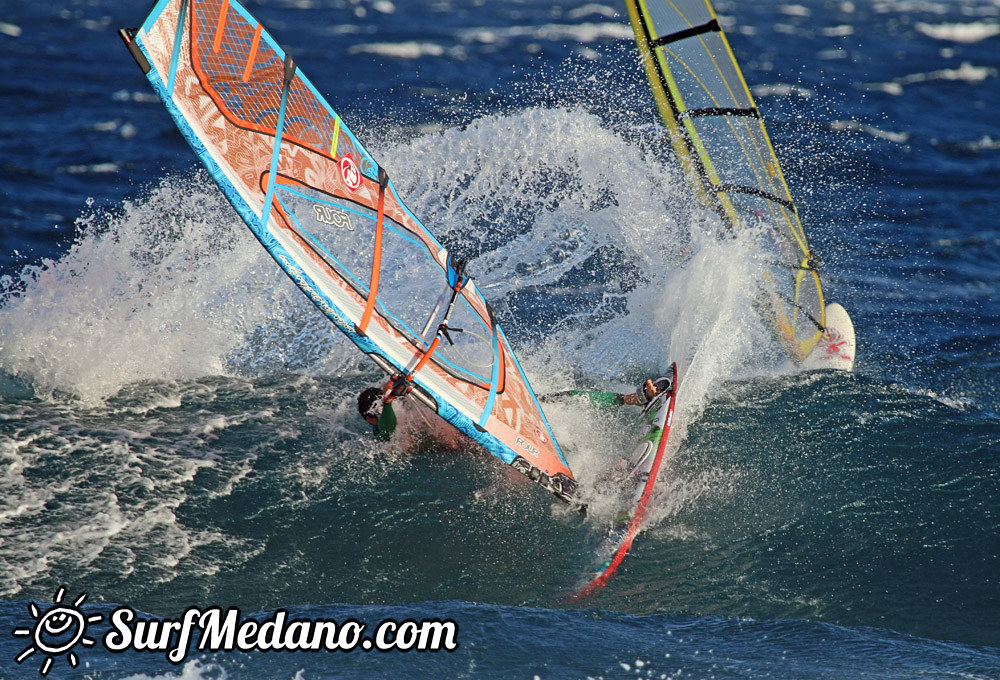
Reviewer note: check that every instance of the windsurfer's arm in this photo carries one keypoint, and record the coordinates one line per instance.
(605, 399)
(597, 399)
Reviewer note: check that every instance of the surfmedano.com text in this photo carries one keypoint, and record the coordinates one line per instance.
(219, 630)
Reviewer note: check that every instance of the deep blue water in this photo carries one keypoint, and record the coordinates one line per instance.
(177, 425)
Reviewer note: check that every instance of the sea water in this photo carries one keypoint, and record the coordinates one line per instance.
(177, 422)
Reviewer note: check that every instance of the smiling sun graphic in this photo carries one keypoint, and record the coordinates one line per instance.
(57, 631)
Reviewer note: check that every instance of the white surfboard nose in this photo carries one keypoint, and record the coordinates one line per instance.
(836, 348)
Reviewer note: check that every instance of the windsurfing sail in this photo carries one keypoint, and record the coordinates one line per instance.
(331, 218)
(717, 133)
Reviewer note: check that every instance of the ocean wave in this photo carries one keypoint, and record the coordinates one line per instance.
(585, 32)
(853, 125)
(966, 72)
(407, 50)
(782, 90)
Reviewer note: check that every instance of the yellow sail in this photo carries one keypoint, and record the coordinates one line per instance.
(720, 139)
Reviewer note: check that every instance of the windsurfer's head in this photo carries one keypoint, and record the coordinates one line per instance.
(370, 405)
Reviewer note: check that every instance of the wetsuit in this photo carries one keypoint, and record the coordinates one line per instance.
(386, 426)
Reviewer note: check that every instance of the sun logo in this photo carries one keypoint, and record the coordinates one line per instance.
(57, 631)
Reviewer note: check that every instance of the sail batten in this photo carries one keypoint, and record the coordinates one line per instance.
(331, 218)
(707, 27)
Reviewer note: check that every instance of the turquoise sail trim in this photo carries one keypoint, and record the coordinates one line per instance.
(272, 177)
(494, 380)
(178, 38)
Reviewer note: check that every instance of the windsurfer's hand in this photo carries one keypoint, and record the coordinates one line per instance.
(650, 390)
(397, 386)
(643, 395)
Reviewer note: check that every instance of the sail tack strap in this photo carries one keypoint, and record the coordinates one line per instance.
(383, 182)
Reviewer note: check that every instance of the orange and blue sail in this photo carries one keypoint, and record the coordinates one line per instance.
(330, 216)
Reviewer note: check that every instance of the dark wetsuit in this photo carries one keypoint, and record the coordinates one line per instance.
(386, 424)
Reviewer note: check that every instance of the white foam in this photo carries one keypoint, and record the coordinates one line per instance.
(95, 169)
(192, 670)
(838, 31)
(962, 33)
(585, 32)
(104, 500)
(401, 50)
(853, 125)
(795, 10)
(173, 288)
(592, 8)
(781, 90)
(984, 143)
(165, 290)
(966, 72)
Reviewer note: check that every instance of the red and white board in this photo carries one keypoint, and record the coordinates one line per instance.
(835, 349)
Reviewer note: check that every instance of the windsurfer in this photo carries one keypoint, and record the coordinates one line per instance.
(417, 428)
(413, 427)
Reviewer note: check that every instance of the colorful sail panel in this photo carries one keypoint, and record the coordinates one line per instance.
(331, 218)
(717, 132)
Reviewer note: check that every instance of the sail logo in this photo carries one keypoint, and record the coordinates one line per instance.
(836, 346)
(349, 171)
(57, 632)
(527, 447)
(333, 217)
